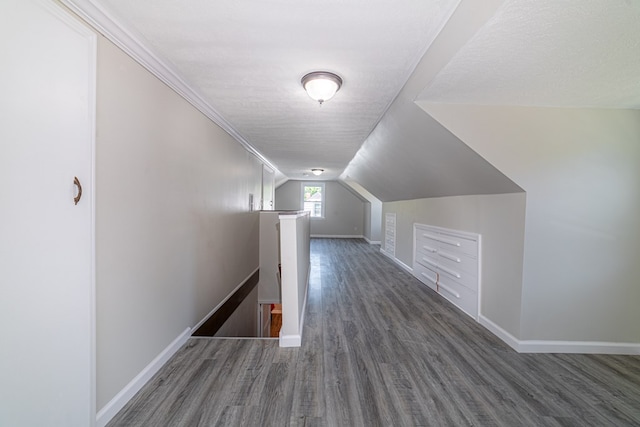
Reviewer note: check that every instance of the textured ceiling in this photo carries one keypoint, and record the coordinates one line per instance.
(570, 53)
(410, 155)
(247, 58)
(240, 63)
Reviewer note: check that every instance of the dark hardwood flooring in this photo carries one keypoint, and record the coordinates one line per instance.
(381, 349)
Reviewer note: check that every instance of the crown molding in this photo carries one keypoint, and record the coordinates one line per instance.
(105, 23)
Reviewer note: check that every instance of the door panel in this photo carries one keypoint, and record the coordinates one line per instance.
(47, 81)
(268, 188)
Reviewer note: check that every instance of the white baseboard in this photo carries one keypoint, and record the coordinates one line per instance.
(581, 347)
(117, 403)
(397, 261)
(290, 340)
(336, 236)
(404, 266)
(551, 346)
(372, 242)
(496, 330)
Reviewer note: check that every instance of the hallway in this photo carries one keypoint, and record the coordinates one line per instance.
(381, 349)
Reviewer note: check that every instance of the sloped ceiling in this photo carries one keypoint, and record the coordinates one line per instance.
(548, 53)
(582, 54)
(409, 155)
(243, 61)
(246, 59)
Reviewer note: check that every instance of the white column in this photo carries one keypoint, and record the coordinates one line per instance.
(294, 259)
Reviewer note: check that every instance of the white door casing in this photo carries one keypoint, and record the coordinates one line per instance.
(268, 188)
(47, 274)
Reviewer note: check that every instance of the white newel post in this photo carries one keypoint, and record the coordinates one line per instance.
(295, 261)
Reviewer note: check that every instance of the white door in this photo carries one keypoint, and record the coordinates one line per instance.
(47, 86)
(268, 188)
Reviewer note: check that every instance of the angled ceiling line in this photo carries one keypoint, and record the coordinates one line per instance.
(412, 69)
(105, 23)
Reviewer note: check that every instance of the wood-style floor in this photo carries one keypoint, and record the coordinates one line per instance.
(381, 349)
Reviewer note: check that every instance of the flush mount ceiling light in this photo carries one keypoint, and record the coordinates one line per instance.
(317, 172)
(321, 85)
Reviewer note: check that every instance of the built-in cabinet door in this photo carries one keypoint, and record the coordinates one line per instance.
(448, 262)
(47, 81)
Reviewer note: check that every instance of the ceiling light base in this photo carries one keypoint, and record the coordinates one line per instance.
(321, 86)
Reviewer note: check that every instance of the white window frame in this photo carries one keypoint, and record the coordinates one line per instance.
(324, 196)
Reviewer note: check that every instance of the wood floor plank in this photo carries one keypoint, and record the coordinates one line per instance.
(381, 349)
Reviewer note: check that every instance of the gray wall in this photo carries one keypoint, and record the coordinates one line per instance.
(174, 235)
(372, 210)
(288, 196)
(580, 170)
(499, 219)
(344, 211)
(367, 221)
(376, 221)
(244, 320)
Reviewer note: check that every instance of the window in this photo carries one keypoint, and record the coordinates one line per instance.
(313, 198)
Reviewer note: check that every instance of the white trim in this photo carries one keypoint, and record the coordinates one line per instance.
(581, 347)
(130, 42)
(453, 231)
(296, 340)
(290, 340)
(397, 261)
(336, 236)
(292, 215)
(323, 202)
(294, 256)
(260, 308)
(208, 315)
(390, 233)
(117, 403)
(496, 330)
(372, 242)
(551, 346)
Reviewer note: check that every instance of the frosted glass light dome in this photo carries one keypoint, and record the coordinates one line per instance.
(321, 85)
